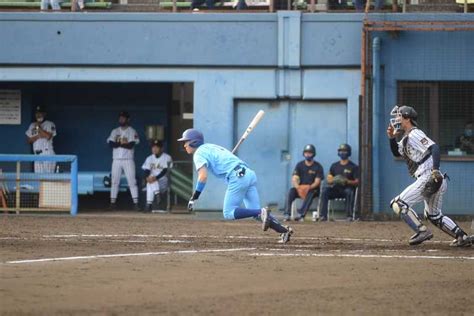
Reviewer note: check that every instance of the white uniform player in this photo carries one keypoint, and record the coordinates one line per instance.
(422, 156)
(41, 133)
(156, 167)
(123, 139)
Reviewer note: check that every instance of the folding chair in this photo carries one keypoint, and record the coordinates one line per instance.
(331, 206)
(315, 204)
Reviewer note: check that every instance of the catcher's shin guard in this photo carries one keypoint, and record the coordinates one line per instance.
(408, 215)
(446, 224)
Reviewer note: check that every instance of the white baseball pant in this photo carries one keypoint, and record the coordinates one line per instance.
(128, 167)
(413, 195)
(151, 190)
(44, 166)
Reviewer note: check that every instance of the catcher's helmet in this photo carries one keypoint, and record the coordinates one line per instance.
(409, 112)
(194, 137)
(309, 149)
(405, 111)
(345, 147)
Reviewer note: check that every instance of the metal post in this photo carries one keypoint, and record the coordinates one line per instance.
(376, 104)
(312, 6)
(271, 6)
(365, 147)
(175, 7)
(404, 6)
(18, 184)
(465, 6)
(74, 187)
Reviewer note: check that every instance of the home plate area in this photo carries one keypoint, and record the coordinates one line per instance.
(126, 263)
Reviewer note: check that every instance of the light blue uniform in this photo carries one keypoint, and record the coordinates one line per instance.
(223, 164)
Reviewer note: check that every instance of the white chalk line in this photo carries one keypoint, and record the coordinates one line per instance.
(122, 255)
(353, 255)
(224, 237)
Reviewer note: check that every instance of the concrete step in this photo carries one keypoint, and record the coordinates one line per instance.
(436, 2)
(155, 2)
(136, 8)
(433, 8)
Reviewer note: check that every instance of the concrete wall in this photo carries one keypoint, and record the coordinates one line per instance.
(228, 57)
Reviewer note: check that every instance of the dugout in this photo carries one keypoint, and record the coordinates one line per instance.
(85, 113)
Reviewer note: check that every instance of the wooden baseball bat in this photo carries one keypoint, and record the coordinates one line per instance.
(249, 129)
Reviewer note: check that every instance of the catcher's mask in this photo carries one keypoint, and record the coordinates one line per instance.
(399, 112)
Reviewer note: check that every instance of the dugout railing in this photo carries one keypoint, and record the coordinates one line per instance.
(181, 181)
(53, 187)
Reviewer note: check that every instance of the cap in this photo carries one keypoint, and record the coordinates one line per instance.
(124, 114)
(157, 143)
(40, 109)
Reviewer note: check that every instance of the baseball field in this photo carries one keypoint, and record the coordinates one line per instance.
(129, 264)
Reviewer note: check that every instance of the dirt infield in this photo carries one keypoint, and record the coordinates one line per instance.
(134, 264)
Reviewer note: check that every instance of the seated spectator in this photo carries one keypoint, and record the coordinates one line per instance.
(306, 180)
(54, 5)
(155, 169)
(465, 142)
(337, 4)
(195, 4)
(342, 179)
(77, 5)
(360, 5)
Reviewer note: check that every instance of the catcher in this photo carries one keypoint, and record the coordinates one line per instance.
(343, 178)
(422, 157)
(306, 181)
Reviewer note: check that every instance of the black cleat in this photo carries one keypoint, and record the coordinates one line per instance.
(136, 207)
(420, 237)
(147, 209)
(285, 237)
(462, 241)
(112, 207)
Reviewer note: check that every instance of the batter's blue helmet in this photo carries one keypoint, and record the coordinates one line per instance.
(194, 137)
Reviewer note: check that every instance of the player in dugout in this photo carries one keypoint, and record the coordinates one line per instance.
(306, 181)
(342, 179)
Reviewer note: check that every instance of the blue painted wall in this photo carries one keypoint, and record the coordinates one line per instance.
(229, 57)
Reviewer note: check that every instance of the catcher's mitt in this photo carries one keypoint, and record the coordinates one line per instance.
(339, 180)
(433, 184)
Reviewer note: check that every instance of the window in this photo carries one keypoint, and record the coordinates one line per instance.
(445, 112)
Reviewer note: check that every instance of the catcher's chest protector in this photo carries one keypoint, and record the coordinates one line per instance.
(412, 165)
